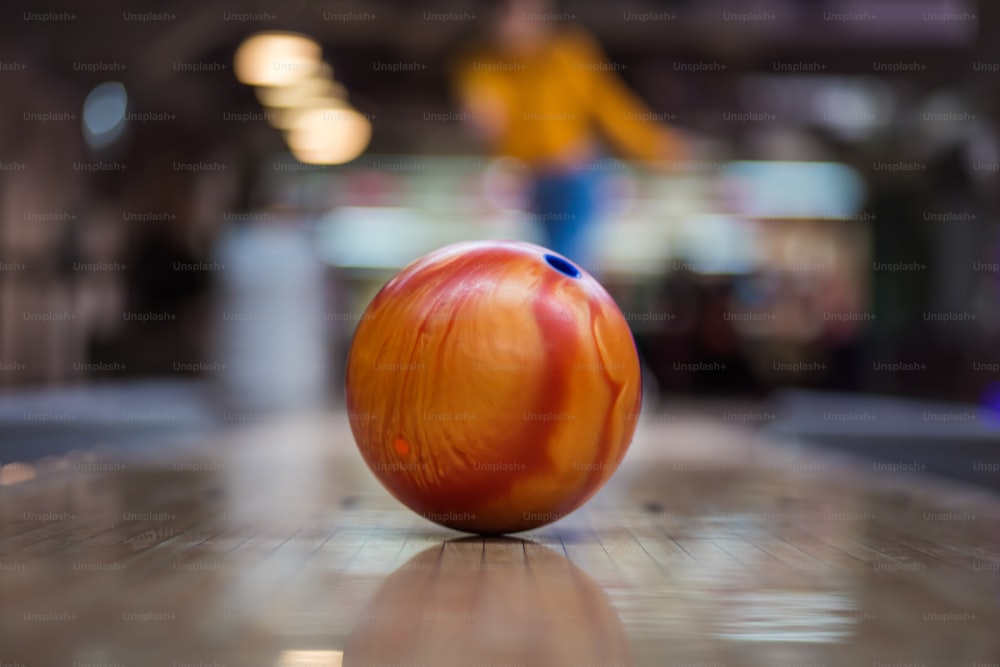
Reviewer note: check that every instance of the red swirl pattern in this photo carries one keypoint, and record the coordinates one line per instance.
(490, 392)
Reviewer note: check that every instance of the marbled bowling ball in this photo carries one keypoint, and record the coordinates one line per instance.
(493, 386)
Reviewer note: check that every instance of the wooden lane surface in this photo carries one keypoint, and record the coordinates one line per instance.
(275, 546)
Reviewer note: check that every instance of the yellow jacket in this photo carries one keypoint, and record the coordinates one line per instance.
(554, 102)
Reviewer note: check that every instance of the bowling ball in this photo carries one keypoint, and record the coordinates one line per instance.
(493, 386)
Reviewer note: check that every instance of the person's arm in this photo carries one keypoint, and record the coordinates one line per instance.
(621, 115)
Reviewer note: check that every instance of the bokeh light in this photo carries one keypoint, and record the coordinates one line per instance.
(276, 58)
(319, 86)
(104, 112)
(330, 135)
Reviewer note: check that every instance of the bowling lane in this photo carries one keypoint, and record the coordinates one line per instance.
(274, 545)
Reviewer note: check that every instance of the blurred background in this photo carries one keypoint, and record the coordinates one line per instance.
(198, 200)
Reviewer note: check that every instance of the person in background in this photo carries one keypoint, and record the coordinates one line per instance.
(547, 94)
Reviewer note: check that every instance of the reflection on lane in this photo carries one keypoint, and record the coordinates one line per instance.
(788, 616)
(310, 659)
(495, 601)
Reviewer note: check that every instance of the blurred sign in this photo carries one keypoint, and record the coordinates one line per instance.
(804, 190)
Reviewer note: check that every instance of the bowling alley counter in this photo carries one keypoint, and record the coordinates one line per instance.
(273, 544)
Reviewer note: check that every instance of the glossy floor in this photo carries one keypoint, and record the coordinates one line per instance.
(275, 546)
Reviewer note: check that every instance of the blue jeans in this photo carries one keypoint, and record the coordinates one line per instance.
(566, 204)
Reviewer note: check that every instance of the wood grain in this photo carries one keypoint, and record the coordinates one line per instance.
(274, 545)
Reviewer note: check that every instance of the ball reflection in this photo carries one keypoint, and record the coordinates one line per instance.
(494, 601)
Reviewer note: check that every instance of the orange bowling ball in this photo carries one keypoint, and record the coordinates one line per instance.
(493, 386)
